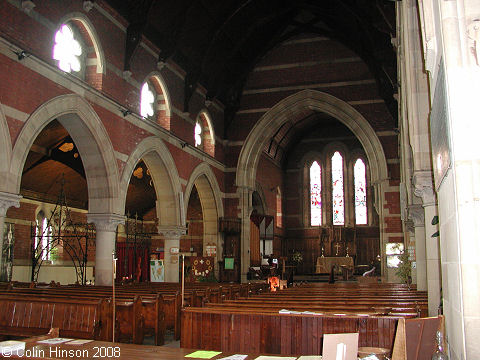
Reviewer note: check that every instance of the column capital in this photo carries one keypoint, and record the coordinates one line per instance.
(423, 184)
(106, 222)
(416, 213)
(172, 231)
(8, 200)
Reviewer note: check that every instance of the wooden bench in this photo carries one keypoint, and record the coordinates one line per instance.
(250, 330)
(29, 316)
(129, 310)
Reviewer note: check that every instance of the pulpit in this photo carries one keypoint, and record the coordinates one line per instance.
(324, 264)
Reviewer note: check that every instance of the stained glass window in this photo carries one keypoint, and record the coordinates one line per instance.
(315, 194)
(337, 189)
(67, 50)
(360, 192)
(146, 101)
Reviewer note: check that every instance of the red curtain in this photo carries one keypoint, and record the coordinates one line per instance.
(131, 264)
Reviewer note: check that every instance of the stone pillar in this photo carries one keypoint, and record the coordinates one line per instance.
(417, 215)
(422, 181)
(106, 226)
(245, 207)
(6, 201)
(172, 257)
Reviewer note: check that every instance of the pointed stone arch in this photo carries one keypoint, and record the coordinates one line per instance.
(93, 143)
(5, 148)
(298, 106)
(210, 198)
(165, 178)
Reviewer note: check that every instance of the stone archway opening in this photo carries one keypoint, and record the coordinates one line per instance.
(302, 105)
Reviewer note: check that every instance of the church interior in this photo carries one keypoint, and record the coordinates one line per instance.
(309, 163)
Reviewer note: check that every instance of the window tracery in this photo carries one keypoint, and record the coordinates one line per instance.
(360, 180)
(336, 191)
(338, 212)
(147, 100)
(315, 194)
(67, 50)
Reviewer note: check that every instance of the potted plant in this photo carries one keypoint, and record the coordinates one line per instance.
(404, 270)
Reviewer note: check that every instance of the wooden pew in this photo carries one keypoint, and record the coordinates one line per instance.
(245, 330)
(29, 316)
(129, 326)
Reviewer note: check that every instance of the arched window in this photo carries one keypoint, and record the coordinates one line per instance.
(44, 236)
(337, 190)
(147, 99)
(360, 180)
(68, 51)
(198, 134)
(204, 135)
(315, 194)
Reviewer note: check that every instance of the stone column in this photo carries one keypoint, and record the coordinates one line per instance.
(106, 226)
(245, 207)
(422, 181)
(417, 215)
(6, 201)
(172, 258)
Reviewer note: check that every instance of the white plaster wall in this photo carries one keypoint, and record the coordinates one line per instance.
(60, 273)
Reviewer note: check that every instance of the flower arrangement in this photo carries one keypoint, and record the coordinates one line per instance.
(297, 257)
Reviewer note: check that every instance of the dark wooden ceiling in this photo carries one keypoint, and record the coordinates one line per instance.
(218, 42)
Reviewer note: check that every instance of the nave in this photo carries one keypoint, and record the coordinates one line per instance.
(228, 318)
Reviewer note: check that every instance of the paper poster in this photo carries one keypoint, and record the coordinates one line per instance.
(157, 271)
(229, 263)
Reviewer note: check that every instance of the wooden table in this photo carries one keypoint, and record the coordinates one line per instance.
(105, 350)
(324, 264)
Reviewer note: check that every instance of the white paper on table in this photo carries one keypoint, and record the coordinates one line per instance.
(310, 357)
(234, 357)
(79, 342)
(263, 357)
(53, 341)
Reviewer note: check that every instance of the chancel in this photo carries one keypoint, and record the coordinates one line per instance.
(213, 145)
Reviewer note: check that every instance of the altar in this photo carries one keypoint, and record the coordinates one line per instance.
(324, 264)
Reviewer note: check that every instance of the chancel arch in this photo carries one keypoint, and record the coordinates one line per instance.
(291, 110)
